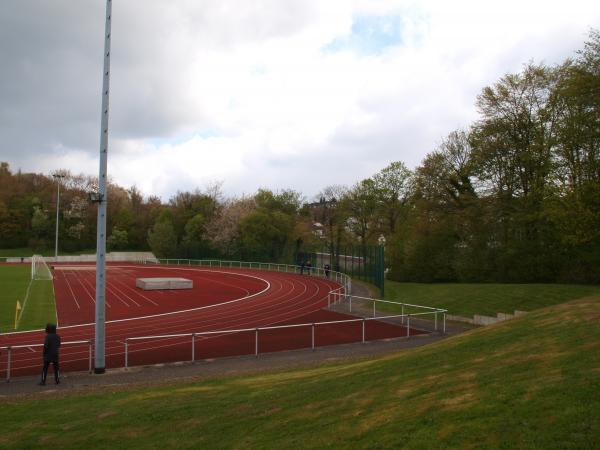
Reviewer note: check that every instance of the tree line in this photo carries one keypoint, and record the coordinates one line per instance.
(512, 197)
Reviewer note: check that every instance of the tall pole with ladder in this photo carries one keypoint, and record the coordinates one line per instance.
(101, 199)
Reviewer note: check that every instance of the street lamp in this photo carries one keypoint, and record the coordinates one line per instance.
(327, 207)
(58, 177)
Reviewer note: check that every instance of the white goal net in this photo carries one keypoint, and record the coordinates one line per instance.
(39, 269)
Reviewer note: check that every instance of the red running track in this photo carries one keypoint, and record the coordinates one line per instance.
(222, 299)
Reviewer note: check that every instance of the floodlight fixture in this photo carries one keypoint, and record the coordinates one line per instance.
(95, 197)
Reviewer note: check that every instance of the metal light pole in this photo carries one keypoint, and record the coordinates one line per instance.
(58, 178)
(100, 198)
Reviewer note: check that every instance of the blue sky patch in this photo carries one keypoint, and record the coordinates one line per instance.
(370, 35)
(182, 137)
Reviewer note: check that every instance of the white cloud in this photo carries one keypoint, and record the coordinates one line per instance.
(253, 93)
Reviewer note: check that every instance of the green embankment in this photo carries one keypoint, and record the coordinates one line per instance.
(39, 308)
(487, 299)
(531, 382)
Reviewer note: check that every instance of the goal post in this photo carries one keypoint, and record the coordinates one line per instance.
(39, 268)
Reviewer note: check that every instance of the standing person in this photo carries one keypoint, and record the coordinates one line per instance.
(308, 266)
(327, 269)
(302, 267)
(51, 346)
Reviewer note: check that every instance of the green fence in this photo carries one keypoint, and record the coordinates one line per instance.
(365, 263)
(362, 262)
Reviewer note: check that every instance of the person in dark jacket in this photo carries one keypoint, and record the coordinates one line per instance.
(51, 346)
(308, 266)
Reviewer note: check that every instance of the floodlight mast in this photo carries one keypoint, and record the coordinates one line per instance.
(58, 177)
(99, 343)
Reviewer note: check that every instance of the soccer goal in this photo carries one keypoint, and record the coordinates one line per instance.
(39, 268)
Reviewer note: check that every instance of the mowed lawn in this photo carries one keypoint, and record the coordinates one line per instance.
(531, 382)
(487, 299)
(39, 308)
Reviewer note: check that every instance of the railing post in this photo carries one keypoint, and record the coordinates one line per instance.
(363, 330)
(408, 326)
(313, 336)
(8, 364)
(126, 356)
(193, 347)
(444, 323)
(350, 304)
(256, 344)
(374, 312)
(90, 356)
(402, 312)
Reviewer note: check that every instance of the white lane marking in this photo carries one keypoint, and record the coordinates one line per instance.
(172, 312)
(72, 293)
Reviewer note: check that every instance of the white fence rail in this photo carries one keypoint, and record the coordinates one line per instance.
(334, 297)
(344, 280)
(404, 317)
(10, 348)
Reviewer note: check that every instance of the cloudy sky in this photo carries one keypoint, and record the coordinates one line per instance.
(279, 94)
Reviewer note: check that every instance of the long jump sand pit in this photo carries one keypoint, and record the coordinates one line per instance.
(155, 284)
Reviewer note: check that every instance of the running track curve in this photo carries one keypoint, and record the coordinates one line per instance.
(232, 299)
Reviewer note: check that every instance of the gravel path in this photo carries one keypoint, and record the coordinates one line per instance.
(164, 374)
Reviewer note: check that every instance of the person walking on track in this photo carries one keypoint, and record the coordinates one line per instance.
(51, 346)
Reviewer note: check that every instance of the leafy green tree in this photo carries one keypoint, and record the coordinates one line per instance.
(117, 240)
(287, 201)
(162, 238)
(360, 206)
(195, 229)
(39, 223)
(512, 151)
(186, 205)
(264, 234)
(392, 189)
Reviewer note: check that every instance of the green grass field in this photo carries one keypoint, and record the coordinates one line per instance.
(488, 299)
(40, 307)
(531, 382)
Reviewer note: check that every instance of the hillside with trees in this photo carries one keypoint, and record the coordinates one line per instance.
(512, 197)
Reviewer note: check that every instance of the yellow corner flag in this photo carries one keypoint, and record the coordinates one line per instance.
(17, 311)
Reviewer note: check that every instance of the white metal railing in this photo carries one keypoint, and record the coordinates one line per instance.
(341, 278)
(257, 330)
(334, 296)
(10, 348)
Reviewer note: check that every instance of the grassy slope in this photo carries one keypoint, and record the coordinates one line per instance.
(40, 308)
(532, 382)
(488, 299)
